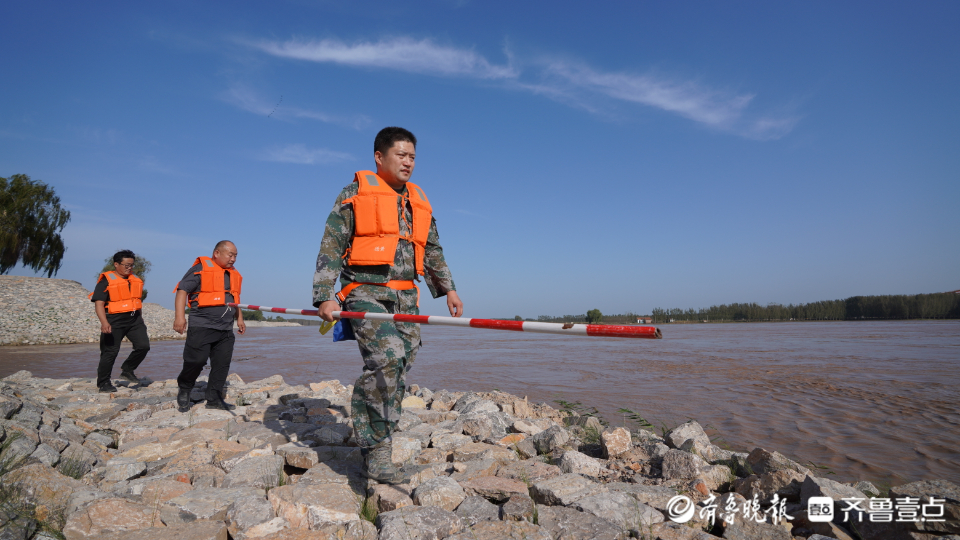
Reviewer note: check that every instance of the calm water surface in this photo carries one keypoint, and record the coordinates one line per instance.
(868, 400)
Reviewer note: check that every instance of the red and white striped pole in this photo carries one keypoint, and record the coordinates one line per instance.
(599, 330)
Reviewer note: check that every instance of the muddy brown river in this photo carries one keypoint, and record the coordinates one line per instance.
(878, 401)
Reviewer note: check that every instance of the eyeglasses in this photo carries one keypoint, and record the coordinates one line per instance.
(127, 266)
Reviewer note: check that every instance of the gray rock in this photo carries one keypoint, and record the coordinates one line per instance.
(743, 529)
(449, 441)
(669, 530)
(329, 435)
(51, 438)
(20, 376)
(444, 400)
(72, 433)
(46, 455)
(443, 491)
(576, 462)
(29, 416)
(248, 512)
(689, 432)
(408, 421)
(404, 450)
(81, 497)
(420, 523)
(518, 508)
(942, 490)
(867, 488)
(616, 441)
(569, 524)
(784, 483)
(655, 496)
(204, 530)
(421, 432)
(313, 506)
(620, 508)
(120, 469)
(18, 449)
(485, 425)
(678, 464)
(8, 407)
(500, 530)
(760, 461)
(551, 439)
(254, 435)
(494, 488)
(347, 473)
(525, 448)
(563, 490)
(259, 472)
(824, 487)
(476, 509)
(203, 504)
(473, 469)
(472, 403)
(299, 454)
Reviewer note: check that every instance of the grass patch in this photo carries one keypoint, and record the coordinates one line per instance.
(73, 466)
(368, 510)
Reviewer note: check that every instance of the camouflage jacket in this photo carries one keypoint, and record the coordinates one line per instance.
(337, 236)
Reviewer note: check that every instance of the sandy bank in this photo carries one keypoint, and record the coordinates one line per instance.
(45, 311)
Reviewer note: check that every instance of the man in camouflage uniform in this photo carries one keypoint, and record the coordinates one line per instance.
(388, 348)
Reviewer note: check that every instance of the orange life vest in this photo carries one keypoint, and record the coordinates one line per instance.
(212, 292)
(377, 222)
(124, 294)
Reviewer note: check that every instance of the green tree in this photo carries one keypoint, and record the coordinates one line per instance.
(30, 223)
(518, 318)
(141, 267)
(252, 315)
(594, 316)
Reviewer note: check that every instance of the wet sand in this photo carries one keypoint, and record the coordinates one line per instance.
(867, 400)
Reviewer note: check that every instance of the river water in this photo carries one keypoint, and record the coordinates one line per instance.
(877, 401)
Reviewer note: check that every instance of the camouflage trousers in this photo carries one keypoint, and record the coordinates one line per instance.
(388, 349)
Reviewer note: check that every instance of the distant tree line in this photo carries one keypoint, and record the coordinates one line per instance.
(899, 306)
(594, 316)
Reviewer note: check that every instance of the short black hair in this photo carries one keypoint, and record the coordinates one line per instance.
(119, 256)
(390, 135)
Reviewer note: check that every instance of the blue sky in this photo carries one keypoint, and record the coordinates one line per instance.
(578, 155)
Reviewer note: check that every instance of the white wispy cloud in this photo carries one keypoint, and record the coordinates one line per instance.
(299, 153)
(581, 85)
(684, 98)
(401, 54)
(572, 83)
(249, 100)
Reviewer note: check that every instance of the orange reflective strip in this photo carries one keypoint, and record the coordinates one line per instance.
(395, 284)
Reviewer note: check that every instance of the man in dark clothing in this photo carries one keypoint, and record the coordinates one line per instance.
(117, 300)
(209, 285)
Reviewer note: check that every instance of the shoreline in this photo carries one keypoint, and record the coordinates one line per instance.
(488, 465)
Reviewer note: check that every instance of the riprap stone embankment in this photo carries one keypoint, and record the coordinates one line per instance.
(283, 465)
(43, 311)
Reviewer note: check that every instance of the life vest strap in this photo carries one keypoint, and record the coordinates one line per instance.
(395, 284)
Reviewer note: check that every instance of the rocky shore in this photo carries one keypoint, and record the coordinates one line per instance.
(45, 311)
(283, 465)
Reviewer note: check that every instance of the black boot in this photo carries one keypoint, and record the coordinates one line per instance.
(183, 400)
(219, 403)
